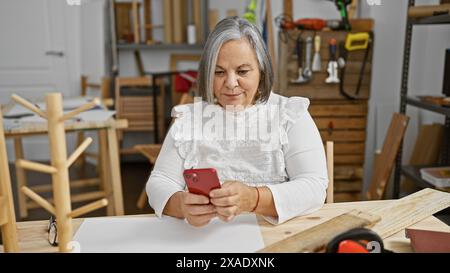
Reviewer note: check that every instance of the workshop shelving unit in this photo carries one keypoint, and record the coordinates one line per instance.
(413, 172)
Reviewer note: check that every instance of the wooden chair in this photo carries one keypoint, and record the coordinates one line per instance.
(136, 108)
(385, 160)
(103, 93)
(59, 168)
(151, 151)
(7, 215)
(330, 171)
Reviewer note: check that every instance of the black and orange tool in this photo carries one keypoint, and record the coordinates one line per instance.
(358, 240)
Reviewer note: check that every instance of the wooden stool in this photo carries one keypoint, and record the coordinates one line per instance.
(7, 216)
(59, 168)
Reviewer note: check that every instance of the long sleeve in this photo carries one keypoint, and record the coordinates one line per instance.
(166, 177)
(305, 162)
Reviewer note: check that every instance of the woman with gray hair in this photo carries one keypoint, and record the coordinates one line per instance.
(266, 149)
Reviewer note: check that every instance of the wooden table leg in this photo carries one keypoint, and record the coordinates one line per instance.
(105, 178)
(21, 178)
(116, 181)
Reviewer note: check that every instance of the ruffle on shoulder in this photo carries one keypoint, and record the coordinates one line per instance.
(291, 109)
(187, 147)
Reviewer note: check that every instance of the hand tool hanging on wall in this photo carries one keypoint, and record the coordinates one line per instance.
(342, 8)
(307, 73)
(354, 42)
(332, 64)
(299, 50)
(317, 65)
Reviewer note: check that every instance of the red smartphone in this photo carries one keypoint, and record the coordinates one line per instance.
(201, 181)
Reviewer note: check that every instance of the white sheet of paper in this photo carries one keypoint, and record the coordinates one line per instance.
(151, 234)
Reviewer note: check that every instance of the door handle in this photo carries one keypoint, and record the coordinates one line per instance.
(54, 53)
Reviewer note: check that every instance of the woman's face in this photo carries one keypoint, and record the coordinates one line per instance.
(237, 74)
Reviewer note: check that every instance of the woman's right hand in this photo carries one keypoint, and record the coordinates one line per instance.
(197, 209)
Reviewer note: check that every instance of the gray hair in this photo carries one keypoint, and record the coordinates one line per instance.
(234, 28)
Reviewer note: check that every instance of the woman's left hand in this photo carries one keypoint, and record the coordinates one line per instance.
(232, 199)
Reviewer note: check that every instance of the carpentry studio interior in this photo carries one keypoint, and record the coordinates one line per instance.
(349, 150)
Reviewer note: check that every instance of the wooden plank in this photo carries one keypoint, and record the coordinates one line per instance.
(3, 212)
(426, 150)
(409, 210)
(330, 110)
(148, 19)
(340, 123)
(352, 186)
(318, 78)
(177, 21)
(427, 10)
(168, 27)
(270, 41)
(232, 12)
(349, 148)
(288, 8)
(329, 91)
(348, 172)
(197, 15)
(349, 159)
(329, 148)
(347, 197)
(213, 18)
(136, 28)
(362, 25)
(8, 218)
(315, 239)
(388, 155)
(343, 135)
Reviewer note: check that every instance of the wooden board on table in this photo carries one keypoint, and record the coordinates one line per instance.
(315, 239)
(409, 210)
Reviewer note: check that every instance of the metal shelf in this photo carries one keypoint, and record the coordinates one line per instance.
(414, 101)
(431, 20)
(159, 46)
(413, 172)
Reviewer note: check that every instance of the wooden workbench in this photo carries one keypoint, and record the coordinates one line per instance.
(33, 235)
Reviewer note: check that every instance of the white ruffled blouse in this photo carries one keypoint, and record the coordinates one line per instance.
(289, 159)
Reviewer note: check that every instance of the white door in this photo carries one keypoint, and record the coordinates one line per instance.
(33, 55)
(38, 55)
